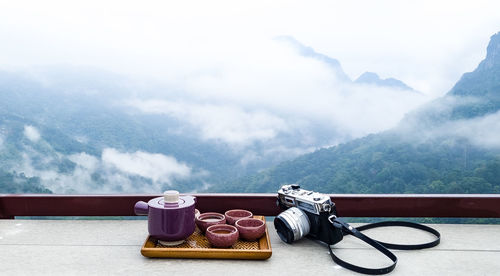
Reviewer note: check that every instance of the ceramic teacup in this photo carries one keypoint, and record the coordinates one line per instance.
(222, 235)
(250, 228)
(233, 215)
(203, 221)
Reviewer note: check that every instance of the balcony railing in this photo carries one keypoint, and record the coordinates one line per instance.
(108, 247)
(348, 205)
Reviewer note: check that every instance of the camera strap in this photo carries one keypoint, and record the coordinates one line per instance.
(380, 246)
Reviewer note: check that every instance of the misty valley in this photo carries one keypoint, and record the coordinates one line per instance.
(67, 129)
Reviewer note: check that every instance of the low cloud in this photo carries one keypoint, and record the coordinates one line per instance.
(350, 110)
(272, 91)
(157, 167)
(85, 161)
(230, 124)
(114, 172)
(31, 133)
(441, 119)
(483, 132)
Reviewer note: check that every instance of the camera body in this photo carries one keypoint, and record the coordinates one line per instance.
(306, 213)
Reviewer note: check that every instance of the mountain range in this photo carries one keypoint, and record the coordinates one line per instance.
(69, 130)
(450, 145)
(370, 78)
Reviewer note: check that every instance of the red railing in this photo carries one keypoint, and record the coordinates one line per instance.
(348, 205)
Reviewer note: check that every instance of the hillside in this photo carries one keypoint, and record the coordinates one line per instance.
(78, 129)
(76, 117)
(450, 145)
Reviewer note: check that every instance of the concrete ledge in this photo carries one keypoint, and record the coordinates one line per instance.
(55, 247)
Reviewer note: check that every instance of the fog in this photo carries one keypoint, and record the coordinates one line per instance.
(427, 44)
(31, 133)
(482, 132)
(156, 166)
(218, 70)
(116, 171)
(442, 120)
(353, 110)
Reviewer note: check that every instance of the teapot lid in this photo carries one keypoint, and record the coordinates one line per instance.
(171, 196)
(171, 200)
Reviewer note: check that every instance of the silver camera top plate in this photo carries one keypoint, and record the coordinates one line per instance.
(293, 196)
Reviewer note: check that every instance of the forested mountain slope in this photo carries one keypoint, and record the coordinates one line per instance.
(451, 145)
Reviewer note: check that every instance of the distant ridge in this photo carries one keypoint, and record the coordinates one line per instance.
(307, 51)
(374, 79)
(366, 78)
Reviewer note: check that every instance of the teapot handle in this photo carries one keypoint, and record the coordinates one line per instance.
(141, 208)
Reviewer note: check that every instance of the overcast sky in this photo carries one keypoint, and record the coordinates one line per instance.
(427, 44)
(238, 83)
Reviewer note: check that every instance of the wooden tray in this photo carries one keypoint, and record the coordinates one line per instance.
(198, 247)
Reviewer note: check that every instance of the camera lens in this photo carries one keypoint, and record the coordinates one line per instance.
(292, 225)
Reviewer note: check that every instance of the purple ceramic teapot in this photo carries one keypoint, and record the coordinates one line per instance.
(170, 217)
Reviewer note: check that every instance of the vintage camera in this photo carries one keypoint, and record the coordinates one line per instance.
(307, 213)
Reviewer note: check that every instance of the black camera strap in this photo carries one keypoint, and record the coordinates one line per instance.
(404, 224)
(380, 246)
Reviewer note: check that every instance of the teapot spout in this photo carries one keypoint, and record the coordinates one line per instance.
(141, 208)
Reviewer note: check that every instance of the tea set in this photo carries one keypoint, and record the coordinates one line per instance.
(172, 218)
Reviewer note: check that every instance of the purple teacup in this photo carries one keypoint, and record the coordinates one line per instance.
(233, 215)
(203, 221)
(222, 235)
(250, 228)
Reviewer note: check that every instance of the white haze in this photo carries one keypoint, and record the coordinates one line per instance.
(485, 131)
(427, 44)
(222, 58)
(31, 133)
(230, 124)
(119, 172)
(258, 93)
(353, 110)
(156, 166)
(482, 132)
